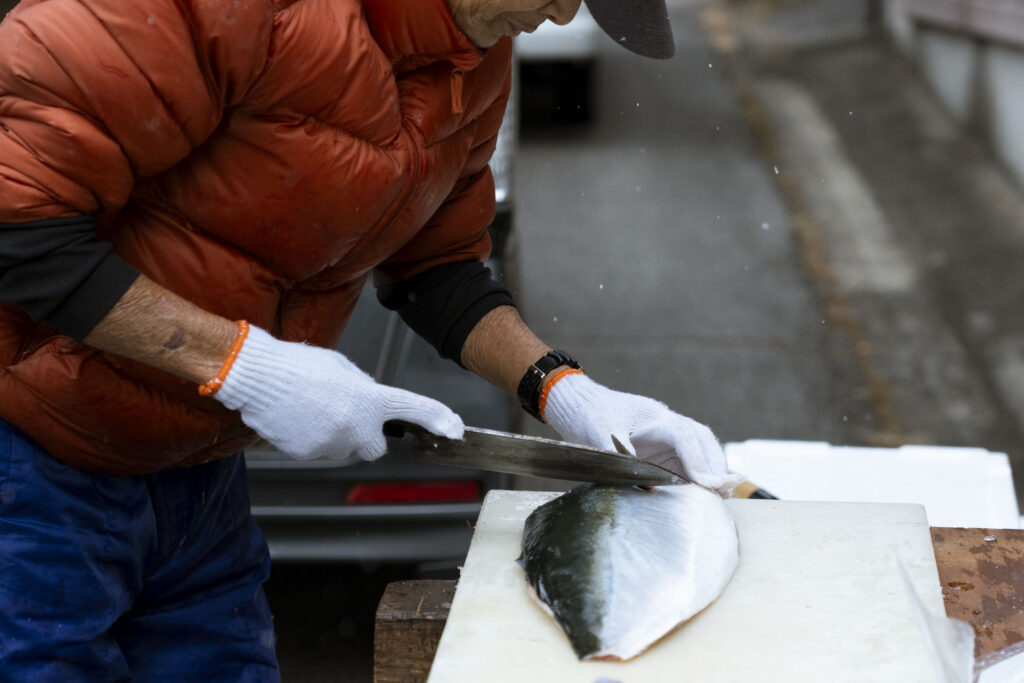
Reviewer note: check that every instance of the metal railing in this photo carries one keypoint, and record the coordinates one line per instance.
(997, 20)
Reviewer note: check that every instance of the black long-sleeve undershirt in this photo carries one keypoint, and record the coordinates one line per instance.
(57, 270)
(445, 303)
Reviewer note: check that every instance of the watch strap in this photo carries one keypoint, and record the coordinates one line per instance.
(529, 391)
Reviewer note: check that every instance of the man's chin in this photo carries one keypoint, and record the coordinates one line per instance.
(482, 38)
(484, 43)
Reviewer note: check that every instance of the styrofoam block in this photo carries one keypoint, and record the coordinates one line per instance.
(959, 487)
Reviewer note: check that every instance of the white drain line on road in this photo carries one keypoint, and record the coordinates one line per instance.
(863, 252)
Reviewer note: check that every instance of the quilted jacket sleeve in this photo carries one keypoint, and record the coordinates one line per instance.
(457, 232)
(437, 282)
(458, 229)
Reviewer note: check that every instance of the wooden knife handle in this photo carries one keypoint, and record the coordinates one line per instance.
(748, 490)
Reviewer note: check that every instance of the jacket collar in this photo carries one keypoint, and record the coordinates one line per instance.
(413, 33)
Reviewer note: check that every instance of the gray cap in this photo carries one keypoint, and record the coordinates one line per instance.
(638, 25)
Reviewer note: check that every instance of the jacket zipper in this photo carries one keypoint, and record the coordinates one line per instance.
(457, 79)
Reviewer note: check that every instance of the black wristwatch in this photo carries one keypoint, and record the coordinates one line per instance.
(530, 385)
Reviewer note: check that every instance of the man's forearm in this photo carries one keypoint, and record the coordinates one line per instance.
(501, 347)
(154, 326)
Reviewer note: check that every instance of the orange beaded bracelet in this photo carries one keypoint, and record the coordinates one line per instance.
(214, 385)
(547, 389)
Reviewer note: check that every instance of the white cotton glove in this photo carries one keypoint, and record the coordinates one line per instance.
(585, 412)
(311, 402)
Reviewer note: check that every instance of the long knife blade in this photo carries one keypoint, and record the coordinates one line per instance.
(495, 451)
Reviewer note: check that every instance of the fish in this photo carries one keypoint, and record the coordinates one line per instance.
(620, 567)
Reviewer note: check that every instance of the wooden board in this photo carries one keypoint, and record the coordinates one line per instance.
(410, 618)
(816, 597)
(982, 575)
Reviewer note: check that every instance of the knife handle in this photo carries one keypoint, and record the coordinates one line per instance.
(748, 490)
(394, 428)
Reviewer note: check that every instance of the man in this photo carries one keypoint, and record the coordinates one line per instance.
(191, 197)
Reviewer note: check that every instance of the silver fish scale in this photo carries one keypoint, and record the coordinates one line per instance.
(620, 567)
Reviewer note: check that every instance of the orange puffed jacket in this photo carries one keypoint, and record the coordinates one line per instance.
(257, 157)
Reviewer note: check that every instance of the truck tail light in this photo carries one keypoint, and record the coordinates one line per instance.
(414, 492)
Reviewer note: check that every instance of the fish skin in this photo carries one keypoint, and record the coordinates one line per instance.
(620, 567)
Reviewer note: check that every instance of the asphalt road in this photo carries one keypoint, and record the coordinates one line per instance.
(655, 246)
(781, 233)
(915, 230)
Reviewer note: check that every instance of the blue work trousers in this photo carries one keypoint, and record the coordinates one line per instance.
(147, 578)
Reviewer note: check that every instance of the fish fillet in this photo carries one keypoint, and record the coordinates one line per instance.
(620, 567)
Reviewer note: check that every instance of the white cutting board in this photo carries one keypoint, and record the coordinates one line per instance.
(816, 597)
